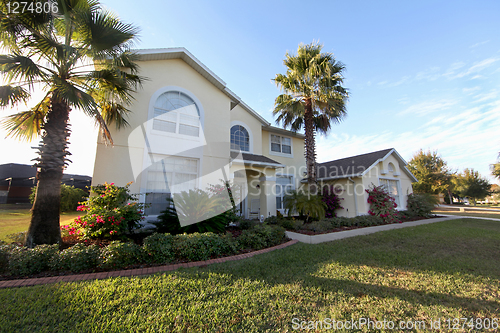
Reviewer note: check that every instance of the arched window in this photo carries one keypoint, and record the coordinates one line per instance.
(390, 167)
(176, 112)
(240, 140)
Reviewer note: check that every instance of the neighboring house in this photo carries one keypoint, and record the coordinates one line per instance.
(16, 181)
(350, 177)
(188, 130)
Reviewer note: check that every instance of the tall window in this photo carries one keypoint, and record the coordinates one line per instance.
(175, 112)
(167, 174)
(392, 188)
(280, 144)
(240, 140)
(284, 184)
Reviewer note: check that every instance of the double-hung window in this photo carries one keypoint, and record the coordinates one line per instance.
(281, 144)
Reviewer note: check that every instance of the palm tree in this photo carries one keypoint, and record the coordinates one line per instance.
(78, 55)
(313, 96)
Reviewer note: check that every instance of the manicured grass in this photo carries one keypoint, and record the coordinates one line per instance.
(14, 220)
(442, 270)
(487, 214)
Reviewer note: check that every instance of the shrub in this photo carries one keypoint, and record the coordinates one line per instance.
(77, 258)
(331, 200)
(382, 204)
(4, 257)
(24, 261)
(158, 248)
(18, 237)
(108, 213)
(120, 255)
(247, 224)
(261, 236)
(70, 197)
(421, 204)
(196, 246)
(168, 220)
(306, 204)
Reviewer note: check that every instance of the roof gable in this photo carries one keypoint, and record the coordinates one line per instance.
(359, 165)
(191, 60)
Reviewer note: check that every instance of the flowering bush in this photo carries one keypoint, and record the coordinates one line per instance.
(332, 201)
(382, 204)
(111, 212)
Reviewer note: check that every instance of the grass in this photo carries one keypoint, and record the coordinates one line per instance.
(16, 218)
(442, 270)
(477, 213)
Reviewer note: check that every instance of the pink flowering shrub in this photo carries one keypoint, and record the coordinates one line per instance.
(110, 213)
(382, 204)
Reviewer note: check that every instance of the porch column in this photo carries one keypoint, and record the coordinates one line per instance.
(267, 196)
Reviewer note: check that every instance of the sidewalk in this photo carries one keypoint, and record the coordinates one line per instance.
(134, 272)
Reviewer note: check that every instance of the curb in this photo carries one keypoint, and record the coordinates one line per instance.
(322, 238)
(134, 272)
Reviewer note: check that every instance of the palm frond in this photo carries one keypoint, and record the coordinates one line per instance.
(27, 125)
(10, 95)
(21, 68)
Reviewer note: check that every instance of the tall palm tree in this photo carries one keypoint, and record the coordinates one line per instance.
(78, 55)
(312, 96)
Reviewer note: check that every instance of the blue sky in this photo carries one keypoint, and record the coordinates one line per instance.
(422, 74)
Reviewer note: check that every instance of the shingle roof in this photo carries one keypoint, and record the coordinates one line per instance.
(350, 166)
(254, 159)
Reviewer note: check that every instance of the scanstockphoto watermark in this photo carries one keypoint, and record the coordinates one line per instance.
(400, 325)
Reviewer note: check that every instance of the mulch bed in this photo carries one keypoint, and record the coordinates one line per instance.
(312, 233)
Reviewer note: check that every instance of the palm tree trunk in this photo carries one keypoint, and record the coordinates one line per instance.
(310, 144)
(44, 226)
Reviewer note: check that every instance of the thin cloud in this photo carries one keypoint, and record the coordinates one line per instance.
(478, 44)
(427, 107)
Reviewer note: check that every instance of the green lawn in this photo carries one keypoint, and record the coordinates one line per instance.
(14, 219)
(487, 214)
(442, 270)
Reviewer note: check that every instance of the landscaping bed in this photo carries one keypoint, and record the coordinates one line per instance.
(145, 250)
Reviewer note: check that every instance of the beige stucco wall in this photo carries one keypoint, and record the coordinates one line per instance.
(253, 125)
(114, 163)
(295, 165)
(381, 170)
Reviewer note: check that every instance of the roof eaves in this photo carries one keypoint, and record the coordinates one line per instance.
(275, 129)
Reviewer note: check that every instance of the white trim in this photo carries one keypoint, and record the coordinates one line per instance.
(400, 192)
(294, 186)
(250, 135)
(277, 153)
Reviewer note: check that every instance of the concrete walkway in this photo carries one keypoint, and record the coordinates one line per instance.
(133, 272)
(316, 239)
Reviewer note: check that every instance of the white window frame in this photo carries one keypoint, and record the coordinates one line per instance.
(275, 153)
(398, 185)
(151, 115)
(250, 135)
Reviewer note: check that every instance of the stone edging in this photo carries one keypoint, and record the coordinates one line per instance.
(316, 239)
(134, 272)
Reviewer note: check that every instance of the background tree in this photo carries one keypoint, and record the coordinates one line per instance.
(495, 170)
(432, 173)
(313, 96)
(78, 54)
(470, 184)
